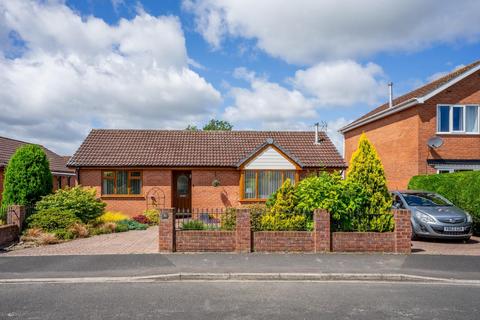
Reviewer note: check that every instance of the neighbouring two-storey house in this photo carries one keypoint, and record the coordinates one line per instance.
(433, 129)
(133, 170)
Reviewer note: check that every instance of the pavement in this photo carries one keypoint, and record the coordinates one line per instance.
(78, 266)
(239, 300)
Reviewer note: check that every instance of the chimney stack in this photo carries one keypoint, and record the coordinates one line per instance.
(316, 132)
(390, 94)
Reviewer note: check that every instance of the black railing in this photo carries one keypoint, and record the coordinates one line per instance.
(205, 219)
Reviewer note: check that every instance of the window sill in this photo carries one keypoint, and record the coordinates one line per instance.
(458, 133)
(124, 196)
(253, 200)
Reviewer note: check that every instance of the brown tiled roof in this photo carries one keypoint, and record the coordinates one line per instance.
(8, 147)
(182, 148)
(419, 92)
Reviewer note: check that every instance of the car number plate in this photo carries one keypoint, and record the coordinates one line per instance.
(453, 228)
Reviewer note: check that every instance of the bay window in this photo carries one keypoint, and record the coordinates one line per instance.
(260, 184)
(457, 119)
(121, 182)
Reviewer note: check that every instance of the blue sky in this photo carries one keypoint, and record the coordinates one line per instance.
(69, 66)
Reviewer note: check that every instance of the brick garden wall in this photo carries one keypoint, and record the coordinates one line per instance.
(1, 184)
(363, 242)
(283, 241)
(8, 234)
(204, 241)
(319, 240)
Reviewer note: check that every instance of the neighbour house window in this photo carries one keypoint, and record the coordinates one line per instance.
(121, 182)
(457, 119)
(260, 184)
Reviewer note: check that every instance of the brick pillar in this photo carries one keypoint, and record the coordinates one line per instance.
(166, 231)
(321, 230)
(403, 231)
(243, 232)
(16, 215)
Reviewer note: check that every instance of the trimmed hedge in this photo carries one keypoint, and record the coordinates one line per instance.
(461, 188)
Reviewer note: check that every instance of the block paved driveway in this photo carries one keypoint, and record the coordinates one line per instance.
(138, 241)
(448, 247)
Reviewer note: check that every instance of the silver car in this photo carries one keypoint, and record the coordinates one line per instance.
(433, 216)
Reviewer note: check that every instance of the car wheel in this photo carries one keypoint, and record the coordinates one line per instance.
(414, 236)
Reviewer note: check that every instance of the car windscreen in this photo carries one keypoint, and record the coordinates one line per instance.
(425, 200)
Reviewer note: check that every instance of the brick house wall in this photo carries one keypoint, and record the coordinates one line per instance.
(395, 138)
(227, 194)
(204, 194)
(455, 146)
(401, 138)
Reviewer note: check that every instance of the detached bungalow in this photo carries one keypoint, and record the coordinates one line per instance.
(137, 169)
(62, 176)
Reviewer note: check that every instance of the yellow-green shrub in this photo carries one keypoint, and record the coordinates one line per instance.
(112, 216)
(152, 215)
(283, 222)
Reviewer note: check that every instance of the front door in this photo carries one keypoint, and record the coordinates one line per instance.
(182, 191)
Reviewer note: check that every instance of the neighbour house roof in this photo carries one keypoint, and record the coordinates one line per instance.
(417, 96)
(182, 148)
(9, 146)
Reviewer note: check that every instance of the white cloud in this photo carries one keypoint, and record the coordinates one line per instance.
(342, 83)
(306, 31)
(78, 72)
(440, 74)
(267, 102)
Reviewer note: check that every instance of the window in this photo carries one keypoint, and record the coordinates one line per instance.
(121, 182)
(457, 119)
(260, 184)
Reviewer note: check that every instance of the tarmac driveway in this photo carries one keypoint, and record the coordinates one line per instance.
(447, 247)
(138, 241)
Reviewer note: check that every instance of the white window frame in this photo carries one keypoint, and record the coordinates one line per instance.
(450, 119)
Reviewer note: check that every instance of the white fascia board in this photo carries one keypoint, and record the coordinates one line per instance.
(410, 103)
(399, 107)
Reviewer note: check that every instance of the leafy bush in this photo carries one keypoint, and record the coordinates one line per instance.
(461, 188)
(141, 219)
(52, 219)
(285, 201)
(229, 219)
(112, 216)
(131, 225)
(283, 222)
(105, 228)
(81, 201)
(256, 213)
(27, 176)
(121, 227)
(152, 215)
(64, 234)
(193, 225)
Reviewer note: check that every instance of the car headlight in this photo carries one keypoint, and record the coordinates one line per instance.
(425, 218)
(469, 218)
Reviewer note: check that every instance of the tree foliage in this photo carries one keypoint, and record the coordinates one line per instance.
(27, 176)
(218, 125)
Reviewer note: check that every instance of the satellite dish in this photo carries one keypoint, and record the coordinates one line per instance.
(435, 142)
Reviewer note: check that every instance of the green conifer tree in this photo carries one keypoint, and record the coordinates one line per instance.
(27, 176)
(366, 169)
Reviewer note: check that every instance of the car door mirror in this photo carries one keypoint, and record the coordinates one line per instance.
(397, 205)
